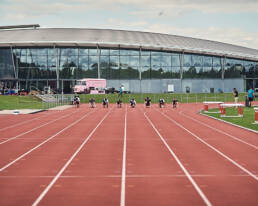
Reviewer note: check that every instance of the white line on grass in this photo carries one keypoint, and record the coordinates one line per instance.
(197, 188)
(236, 125)
(220, 131)
(12, 138)
(213, 148)
(42, 195)
(34, 148)
(122, 200)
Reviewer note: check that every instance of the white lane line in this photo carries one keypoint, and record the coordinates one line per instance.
(119, 176)
(25, 154)
(42, 195)
(23, 122)
(197, 188)
(12, 138)
(220, 131)
(213, 148)
(122, 200)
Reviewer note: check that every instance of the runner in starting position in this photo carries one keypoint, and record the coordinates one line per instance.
(119, 103)
(105, 102)
(76, 101)
(174, 102)
(161, 103)
(132, 103)
(147, 102)
(92, 103)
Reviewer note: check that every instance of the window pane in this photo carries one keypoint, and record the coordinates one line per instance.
(187, 60)
(249, 69)
(51, 61)
(175, 72)
(155, 61)
(165, 61)
(114, 52)
(6, 64)
(166, 72)
(114, 68)
(104, 51)
(156, 72)
(197, 60)
(233, 69)
(104, 67)
(42, 51)
(146, 72)
(145, 61)
(83, 51)
(145, 53)
(93, 52)
(207, 61)
(175, 60)
(130, 72)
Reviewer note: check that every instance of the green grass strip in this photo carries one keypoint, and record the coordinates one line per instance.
(246, 121)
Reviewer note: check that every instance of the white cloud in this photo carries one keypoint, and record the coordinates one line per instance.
(137, 15)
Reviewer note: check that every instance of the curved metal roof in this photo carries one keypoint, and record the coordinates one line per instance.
(123, 39)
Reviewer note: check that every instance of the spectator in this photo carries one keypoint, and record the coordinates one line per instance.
(250, 96)
(235, 93)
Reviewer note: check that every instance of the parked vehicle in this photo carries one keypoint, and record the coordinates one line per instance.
(90, 86)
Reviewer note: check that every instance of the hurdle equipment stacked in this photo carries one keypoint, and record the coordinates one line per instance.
(206, 106)
(224, 106)
(255, 115)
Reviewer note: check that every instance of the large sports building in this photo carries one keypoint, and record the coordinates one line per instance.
(141, 61)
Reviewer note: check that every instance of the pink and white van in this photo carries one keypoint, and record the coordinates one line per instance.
(92, 86)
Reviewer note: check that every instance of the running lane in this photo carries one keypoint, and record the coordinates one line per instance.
(94, 176)
(10, 150)
(153, 177)
(31, 123)
(219, 179)
(236, 147)
(23, 181)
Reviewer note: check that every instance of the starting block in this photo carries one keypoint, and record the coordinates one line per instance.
(255, 115)
(224, 106)
(206, 106)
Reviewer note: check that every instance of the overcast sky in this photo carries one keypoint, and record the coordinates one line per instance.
(230, 21)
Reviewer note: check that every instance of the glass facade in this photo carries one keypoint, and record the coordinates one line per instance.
(76, 63)
(199, 66)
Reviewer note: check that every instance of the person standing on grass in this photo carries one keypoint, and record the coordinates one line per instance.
(121, 90)
(235, 93)
(250, 96)
(105, 102)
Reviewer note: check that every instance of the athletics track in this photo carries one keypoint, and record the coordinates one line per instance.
(125, 156)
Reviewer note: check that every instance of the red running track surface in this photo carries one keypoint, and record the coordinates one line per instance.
(125, 156)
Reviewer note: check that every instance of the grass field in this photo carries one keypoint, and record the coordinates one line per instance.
(30, 102)
(19, 102)
(183, 98)
(245, 121)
